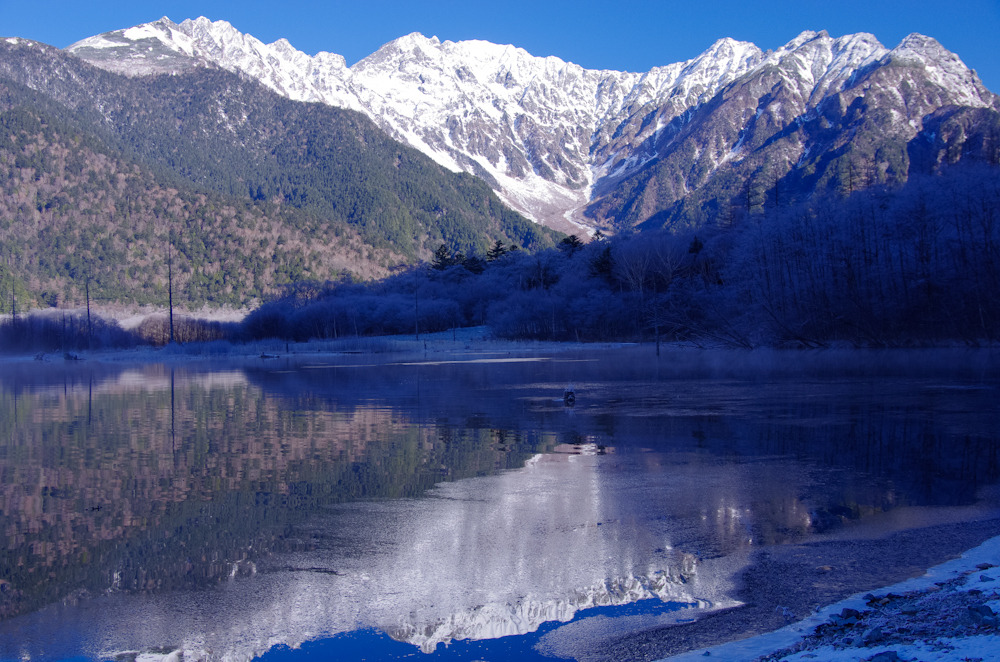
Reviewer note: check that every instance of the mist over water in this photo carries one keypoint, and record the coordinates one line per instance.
(225, 508)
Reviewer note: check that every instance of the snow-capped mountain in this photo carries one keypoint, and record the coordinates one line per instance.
(495, 620)
(556, 140)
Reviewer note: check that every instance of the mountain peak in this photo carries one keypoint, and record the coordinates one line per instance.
(165, 48)
(544, 132)
(413, 39)
(923, 49)
(204, 23)
(728, 46)
(943, 68)
(806, 36)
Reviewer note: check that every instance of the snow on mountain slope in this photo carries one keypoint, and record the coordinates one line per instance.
(943, 68)
(148, 49)
(528, 125)
(548, 135)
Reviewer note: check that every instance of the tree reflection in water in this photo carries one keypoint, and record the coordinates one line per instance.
(156, 481)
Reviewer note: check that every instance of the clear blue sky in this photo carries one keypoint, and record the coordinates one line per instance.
(631, 36)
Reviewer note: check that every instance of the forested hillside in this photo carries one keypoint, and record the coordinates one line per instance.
(918, 264)
(106, 179)
(71, 211)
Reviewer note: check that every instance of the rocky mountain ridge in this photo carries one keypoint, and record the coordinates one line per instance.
(574, 147)
(100, 174)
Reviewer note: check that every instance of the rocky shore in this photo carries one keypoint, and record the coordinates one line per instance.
(954, 619)
(950, 614)
(794, 596)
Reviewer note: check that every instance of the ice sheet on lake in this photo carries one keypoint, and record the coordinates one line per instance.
(477, 558)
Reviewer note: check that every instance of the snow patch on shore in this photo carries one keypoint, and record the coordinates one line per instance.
(977, 566)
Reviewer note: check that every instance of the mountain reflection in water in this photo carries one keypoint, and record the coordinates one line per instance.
(227, 508)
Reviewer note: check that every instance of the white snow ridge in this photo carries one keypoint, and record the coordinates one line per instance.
(546, 134)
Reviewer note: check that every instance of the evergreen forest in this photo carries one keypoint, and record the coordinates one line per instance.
(110, 187)
(916, 265)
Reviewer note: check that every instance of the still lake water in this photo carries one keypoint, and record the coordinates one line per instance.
(450, 506)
